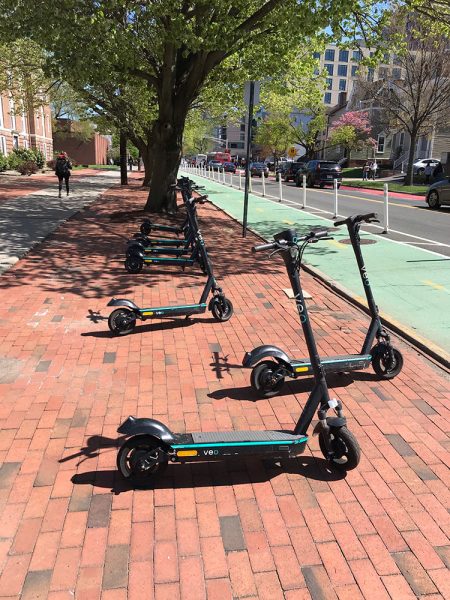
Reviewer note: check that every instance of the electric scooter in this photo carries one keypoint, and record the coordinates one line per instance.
(268, 376)
(151, 445)
(137, 256)
(123, 320)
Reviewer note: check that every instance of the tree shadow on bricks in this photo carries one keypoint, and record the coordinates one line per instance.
(150, 327)
(95, 444)
(231, 471)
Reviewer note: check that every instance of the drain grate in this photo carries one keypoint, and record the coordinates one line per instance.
(363, 241)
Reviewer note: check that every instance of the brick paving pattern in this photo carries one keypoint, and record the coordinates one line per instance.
(70, 527)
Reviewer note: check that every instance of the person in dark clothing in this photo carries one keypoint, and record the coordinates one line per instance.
(63, 167)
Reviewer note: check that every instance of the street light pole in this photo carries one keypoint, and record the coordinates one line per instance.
(247, 156)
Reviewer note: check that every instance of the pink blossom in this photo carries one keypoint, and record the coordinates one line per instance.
(358, 120)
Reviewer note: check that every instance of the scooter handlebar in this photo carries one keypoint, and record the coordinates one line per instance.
(367, 218)
(262, 247)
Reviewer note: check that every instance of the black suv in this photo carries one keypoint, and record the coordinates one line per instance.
(290, 172)
(322, 172)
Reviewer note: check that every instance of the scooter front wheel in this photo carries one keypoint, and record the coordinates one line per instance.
(134, 264)
(122, 321)
(386, 362)
(264, 379)
(221, 308)
(345, 449)
(139, 460)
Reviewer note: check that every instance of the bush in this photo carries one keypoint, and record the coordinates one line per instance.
(39, 159)
(14, 161)
(27, 167)
(3, 163)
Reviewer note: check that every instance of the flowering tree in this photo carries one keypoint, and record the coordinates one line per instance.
(352, 131)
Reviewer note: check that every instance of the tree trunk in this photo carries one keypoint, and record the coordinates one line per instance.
(147, 159)
(166, 150)
(409, 170)
(123, 158)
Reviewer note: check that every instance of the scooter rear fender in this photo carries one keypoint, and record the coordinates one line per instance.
(257, 354)
(124, 302)
(136, 426)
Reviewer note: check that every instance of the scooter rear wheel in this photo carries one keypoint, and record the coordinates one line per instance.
(146, 227)
(345, 448)
(385, 365)
(222, 308)
(121, 321)
(134, 264)
(136, 460)
(262, 379)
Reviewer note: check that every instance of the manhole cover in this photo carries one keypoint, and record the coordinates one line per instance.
(363, 241)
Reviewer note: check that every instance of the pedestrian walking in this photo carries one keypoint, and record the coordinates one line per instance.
(428, 172)
(63, 167)
(366, 171)
(130, 162)
(374, 169)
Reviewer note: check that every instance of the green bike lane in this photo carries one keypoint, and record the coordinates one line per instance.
(411, 285)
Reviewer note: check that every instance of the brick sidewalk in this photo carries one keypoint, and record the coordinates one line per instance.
(69, 527)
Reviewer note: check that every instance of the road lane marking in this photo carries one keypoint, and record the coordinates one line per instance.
(435, 286)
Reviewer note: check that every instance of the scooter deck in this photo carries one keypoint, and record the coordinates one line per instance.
(184, 309)
(345, 362)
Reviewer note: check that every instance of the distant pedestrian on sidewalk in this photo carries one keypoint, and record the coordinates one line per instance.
(428, 172)
(366, 171)
(374, 169)
(130, 162)
(63, 167)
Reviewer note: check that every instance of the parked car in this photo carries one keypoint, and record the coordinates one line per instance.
(419, 165)
(289, 174)
(215, 165)
(229, 167)
(322, 172)
(258, 169)
(439, 193)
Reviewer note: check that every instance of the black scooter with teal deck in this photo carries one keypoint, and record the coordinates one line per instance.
(271, 365)
(151, 446)
(123, 320)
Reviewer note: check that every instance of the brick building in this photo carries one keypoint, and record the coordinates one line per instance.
(84, 150)
(28, 129)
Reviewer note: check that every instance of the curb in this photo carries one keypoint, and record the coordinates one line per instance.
(426, 347)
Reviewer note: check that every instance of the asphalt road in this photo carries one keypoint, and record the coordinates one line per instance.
(410, 221)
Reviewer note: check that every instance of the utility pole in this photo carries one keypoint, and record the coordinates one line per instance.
(247, 156)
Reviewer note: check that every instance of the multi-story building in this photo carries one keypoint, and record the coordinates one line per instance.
(25, 129)
(343, 69)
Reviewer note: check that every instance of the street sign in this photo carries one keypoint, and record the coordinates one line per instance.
(256, 87)
(292, 152)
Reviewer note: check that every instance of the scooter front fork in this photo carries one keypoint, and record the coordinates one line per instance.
(323, 422)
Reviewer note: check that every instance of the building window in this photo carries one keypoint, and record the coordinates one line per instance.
(342, 70)
(242, 126)
(396, 60)
(242, 136)
(330, 69)
(386, 58)
(15, 141)
(25, 144)
(342, 85)
(316, 55)
(354, 71)
(2, 144)
(382, 73)
(396, 74)
(329, 83)
(343, 55)
(1, 113)
(380, 143)
(329, 55)
(12, 114)
(370, 73)
(316, 71)
(327, 98)
(357, 55)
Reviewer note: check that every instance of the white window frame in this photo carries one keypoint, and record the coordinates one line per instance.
(15, 141)
(12, 113)
(379, 144)
(25, 144)
(2, 122)
(3, 145)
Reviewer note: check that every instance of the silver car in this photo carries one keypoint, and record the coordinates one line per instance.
(439, 193)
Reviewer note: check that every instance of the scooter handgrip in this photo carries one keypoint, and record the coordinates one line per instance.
(321, 234)
(201, 199)
(262, 247)
(367, 217)
(342, 222)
